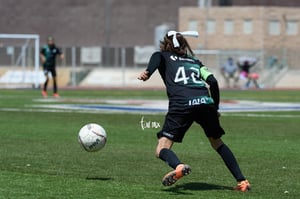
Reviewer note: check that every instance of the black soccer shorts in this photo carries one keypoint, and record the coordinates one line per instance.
(51, 70)
(177, 123)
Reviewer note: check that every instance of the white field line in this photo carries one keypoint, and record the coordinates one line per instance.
(236, 108)
(260, 115)
(278, 115)
(49, 110)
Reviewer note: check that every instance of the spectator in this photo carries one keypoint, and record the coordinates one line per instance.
(245, 64)
(229, 70)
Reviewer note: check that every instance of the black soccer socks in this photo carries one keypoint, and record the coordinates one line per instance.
(230, 162)
(169, 157)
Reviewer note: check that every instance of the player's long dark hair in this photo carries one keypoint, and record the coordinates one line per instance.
(167, 45)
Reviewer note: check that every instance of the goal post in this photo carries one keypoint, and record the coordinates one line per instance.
(36, 39)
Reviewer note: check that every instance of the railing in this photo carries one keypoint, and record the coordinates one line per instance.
(271, 65)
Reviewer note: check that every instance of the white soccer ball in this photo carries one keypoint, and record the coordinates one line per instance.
(92, 137)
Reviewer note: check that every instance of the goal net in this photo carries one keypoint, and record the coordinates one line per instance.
(19, 60)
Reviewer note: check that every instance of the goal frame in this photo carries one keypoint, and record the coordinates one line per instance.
(36, 39)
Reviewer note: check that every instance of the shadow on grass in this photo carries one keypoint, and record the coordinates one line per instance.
(98, 178)
(195, 186)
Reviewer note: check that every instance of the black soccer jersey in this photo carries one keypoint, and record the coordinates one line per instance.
(184, 77)
(50, 53)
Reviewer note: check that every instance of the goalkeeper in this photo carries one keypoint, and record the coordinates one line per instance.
(48, 56)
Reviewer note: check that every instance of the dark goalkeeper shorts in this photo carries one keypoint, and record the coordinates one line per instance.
(51, 70)
(177, 123)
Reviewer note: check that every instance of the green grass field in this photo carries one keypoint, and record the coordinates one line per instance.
(41, 158)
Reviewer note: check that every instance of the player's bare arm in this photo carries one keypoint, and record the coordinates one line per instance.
(43, 58)
(144, 75)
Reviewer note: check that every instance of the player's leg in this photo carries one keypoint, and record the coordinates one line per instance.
(231, 163)
(166, 138)
(54, 85)
(46, 83)
(164, 152)
(209, 120)
(54, 78)
(228, 157)
(44, 89)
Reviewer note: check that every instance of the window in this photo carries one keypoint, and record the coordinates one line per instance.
(274, 27)
(292, 27)
(193, 25)
(248, 29)
(204, 3)
(210, 26)
(228, 27)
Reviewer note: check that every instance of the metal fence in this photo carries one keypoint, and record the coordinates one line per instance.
(271, 61)
(74, 56)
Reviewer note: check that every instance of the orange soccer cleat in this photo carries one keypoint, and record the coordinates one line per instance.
(56, 95)
(243, 186)
(180, 171)
(44, 93)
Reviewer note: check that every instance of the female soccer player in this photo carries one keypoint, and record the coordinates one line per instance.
(190, 99)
